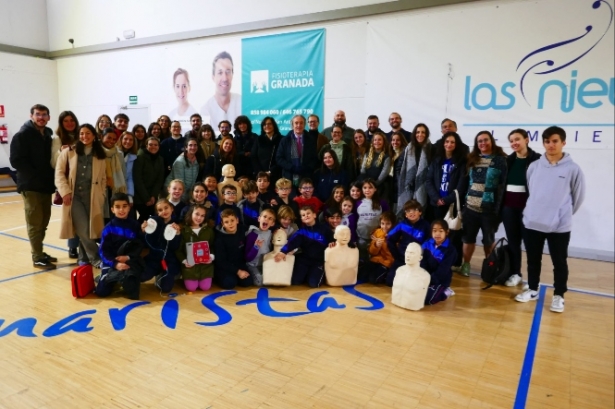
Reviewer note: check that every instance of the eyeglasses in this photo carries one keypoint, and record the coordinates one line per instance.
(307, 188)
(230, 193)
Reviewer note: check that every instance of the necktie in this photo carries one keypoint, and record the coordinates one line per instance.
(299, 147)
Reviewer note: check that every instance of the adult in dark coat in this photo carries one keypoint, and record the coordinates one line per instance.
(226, 155)
(265, 148)
(329, 175)
(148, 177)
(244, 141)
(296, 153)
(31, 157)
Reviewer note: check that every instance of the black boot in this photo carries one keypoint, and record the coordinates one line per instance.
(73, 253)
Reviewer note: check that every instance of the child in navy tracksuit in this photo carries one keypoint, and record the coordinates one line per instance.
(413, 229)
(438, 257)
(264, 193)
(313, 239)
(116, 233)
(349, 217)
(161, 261)
(211, 185)
(251, 206)
(230, 269)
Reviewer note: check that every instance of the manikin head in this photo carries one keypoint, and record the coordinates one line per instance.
(342, 235)
(228, 171)
(414, 254)
(280, 238)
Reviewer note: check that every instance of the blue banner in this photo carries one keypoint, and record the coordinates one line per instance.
(283, 76)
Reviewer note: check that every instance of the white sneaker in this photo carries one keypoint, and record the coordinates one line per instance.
(449, 292)
(557, 305)
(527, 295)
(513, 280)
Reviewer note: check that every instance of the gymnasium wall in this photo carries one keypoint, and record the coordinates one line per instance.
(25, 81)
(97, 22)
(494, 65)
(23, 23)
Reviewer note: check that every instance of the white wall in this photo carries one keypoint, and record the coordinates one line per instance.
(25, 81)
(401, 62)
(97, 22)
(23, 23)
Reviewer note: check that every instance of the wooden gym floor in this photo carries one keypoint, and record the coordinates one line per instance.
(344, 348)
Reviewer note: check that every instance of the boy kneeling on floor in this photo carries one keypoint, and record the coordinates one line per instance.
(120, 251)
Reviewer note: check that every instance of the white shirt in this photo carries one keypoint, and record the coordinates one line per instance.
(184, 119)
(212, 110)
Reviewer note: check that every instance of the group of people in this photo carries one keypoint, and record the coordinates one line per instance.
(391, 189)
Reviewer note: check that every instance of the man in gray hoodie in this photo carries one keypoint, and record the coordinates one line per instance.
(556, 188)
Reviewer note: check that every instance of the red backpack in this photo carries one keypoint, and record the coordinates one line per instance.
(82, 280)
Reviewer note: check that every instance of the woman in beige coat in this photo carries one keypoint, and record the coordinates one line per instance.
(83, 192)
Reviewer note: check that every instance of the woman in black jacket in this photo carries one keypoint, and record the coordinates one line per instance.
(515, 198)
(148, 177)
(445, 174)
(265, 148)
(244, 141)
(226, 155)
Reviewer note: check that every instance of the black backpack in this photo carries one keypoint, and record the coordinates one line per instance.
(496, 267)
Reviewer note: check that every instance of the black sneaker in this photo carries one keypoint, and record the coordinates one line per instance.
(73, 253)
(50, 258)
(44, 264)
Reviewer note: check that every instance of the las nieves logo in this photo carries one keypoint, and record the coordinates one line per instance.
(259, 81)
(587, 92)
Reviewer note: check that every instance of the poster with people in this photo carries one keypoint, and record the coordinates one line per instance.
(278, 75)
(202, 79)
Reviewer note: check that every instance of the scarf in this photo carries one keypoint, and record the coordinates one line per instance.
(338, 148)
(396, 154)
(115, 170)
(208, 147)
(412, 177)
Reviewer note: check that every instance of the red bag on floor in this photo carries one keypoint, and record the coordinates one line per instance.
(82, 280)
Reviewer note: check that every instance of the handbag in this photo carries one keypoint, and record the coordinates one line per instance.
(57, 198)
(454, 223)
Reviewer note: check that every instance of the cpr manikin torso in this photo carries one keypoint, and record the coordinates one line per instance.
(341, 261)
(228, 171)
(279, 273)
(411, 281)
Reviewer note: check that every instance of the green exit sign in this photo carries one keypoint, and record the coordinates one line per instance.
(132, 99)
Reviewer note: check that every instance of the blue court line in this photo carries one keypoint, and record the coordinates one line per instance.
(4, 280)
(530, 352)
(51, 246)
(514, 125)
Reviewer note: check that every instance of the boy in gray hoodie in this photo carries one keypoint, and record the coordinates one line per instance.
(556, 188)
